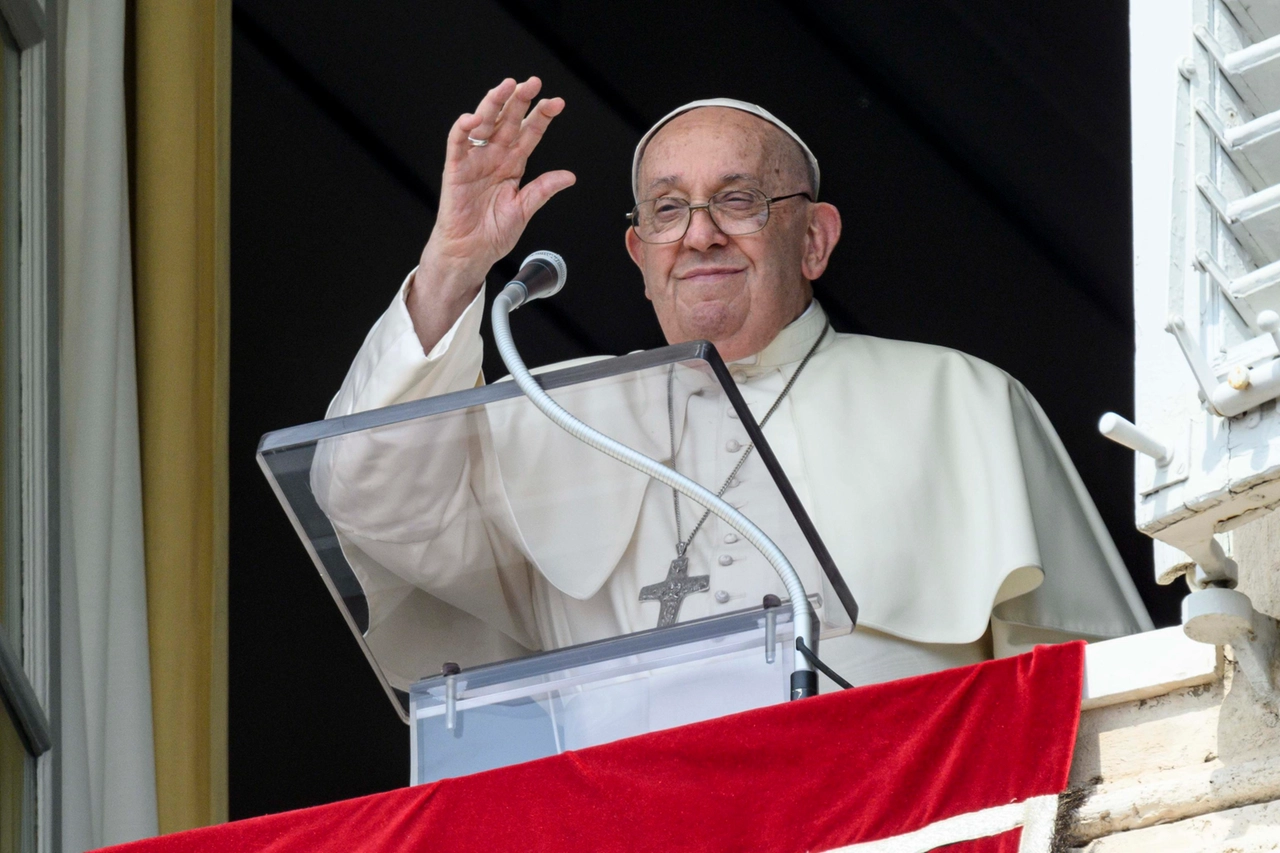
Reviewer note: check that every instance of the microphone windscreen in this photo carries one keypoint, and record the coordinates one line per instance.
(542, 274)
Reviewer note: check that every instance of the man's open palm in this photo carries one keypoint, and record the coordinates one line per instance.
(483, 208)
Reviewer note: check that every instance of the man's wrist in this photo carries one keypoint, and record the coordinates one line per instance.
(450, 265)
(447, 278)
(438, 295)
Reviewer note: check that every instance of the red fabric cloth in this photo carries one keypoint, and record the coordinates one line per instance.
(813, 775)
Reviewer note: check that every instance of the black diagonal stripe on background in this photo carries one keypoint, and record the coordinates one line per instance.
(368, 140)
(888, 94)
(332, 107)
(572, 59)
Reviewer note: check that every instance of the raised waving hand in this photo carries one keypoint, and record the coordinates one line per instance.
(483, 208)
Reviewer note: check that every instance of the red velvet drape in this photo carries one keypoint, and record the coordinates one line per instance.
(812, 775)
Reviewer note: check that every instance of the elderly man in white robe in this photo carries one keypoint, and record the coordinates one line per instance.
(934, 478)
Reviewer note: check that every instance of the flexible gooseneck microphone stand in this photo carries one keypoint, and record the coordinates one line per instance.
(804, 681)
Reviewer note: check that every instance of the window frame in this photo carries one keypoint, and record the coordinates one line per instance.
(30, 684)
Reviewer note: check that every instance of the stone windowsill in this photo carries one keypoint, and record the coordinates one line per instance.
(1142, 666)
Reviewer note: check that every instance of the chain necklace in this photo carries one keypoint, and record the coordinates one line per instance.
(678, 583)
(682, 544)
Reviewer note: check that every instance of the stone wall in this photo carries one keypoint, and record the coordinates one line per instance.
(1197, 768)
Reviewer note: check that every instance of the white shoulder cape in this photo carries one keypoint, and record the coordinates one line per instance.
(934, 478)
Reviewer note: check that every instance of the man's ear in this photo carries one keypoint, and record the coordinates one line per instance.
(634, 246)
(820, 239)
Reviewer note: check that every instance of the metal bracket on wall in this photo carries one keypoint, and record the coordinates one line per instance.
(1159, 465)
(1225, 617)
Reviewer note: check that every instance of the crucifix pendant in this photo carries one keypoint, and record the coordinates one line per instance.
(672, 591)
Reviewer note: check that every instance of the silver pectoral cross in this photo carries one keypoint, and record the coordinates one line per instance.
(672, 591)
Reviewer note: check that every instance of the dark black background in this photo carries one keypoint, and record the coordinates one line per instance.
(977, 149)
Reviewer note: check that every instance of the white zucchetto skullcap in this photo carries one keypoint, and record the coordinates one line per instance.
(732, 104)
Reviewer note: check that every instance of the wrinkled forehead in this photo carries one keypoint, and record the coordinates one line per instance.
(722, 129)
(714, 144)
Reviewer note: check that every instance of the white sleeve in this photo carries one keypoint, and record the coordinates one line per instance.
(410, 522)
(391, 368)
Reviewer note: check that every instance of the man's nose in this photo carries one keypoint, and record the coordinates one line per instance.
(703, 232)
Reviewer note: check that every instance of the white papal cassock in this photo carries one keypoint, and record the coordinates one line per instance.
(935, 480)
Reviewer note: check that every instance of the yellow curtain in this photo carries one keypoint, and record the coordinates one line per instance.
(180, 164)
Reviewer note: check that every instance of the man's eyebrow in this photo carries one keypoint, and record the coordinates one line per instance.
(665, 181)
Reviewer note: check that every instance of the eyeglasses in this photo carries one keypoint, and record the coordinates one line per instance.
(735, 212)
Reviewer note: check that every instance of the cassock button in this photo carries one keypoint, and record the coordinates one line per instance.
(730, 538)
(722, 596)
(726, 560)
(732, 445)
(740, 378)
(733, 416)
(734, 483)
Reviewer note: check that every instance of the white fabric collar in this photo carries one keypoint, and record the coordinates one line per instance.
(789, 346)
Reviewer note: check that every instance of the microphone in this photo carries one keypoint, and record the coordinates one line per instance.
(542, 274)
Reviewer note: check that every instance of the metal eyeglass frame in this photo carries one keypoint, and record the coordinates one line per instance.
(706, 205)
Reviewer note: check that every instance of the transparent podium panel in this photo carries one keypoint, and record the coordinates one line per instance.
(465, 530)
(542, 705)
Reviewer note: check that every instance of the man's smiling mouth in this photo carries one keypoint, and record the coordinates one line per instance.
(708, 274)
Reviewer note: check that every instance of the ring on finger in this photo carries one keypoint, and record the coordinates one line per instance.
(477, 143)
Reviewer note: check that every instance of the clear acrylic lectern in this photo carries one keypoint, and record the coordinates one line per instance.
(505, 581)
